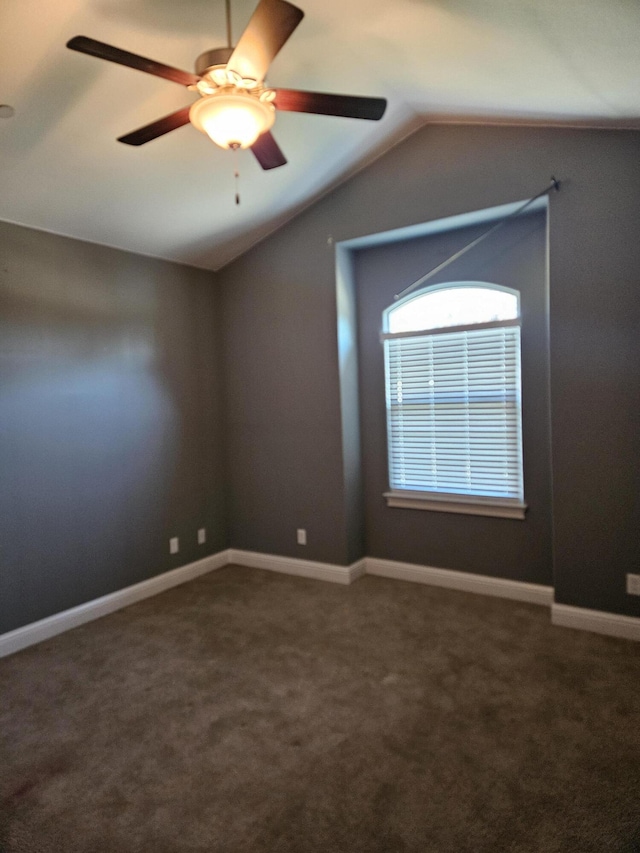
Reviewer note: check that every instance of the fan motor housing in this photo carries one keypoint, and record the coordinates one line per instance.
(211, 58)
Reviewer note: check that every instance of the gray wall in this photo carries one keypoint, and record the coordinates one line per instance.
(110, 421)
(282, 398)
(289, 467)
(115, 369)
(514, 256)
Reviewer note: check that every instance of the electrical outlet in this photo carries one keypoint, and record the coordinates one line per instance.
(301, 534)
(174, 545)
(202, 535)
(633, 584)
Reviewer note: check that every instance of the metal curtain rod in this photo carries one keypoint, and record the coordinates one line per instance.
(554, 185)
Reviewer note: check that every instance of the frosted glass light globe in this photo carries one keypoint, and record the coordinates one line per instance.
(232, 120)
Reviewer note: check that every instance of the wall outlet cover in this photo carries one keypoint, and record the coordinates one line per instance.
(301, 535)
(633, 584)
(174, 545)
(202, 535)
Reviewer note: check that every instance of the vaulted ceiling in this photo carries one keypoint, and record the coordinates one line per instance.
(552, 61)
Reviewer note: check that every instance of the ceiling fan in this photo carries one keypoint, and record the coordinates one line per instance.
(236, 108)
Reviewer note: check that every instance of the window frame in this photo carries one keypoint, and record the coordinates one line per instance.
(447, 501)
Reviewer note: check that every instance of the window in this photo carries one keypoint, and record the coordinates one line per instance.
(454, 425)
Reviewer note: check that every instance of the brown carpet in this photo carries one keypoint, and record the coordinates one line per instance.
(250, 711)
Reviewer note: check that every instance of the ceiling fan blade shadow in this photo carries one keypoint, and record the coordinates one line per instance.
(84, 44)
(157, 128)
(348, 106)
(271, 24)
(267, 151)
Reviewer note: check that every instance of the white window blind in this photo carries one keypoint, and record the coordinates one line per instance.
(454, 411)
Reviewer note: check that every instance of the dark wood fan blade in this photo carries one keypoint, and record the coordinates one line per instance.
(349, 106)
(156, 128)
(267, 151)
(83, 44)
(268, 29)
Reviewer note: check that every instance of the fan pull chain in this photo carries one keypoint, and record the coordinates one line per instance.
(236, 174)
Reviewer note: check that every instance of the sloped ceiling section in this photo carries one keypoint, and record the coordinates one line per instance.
(63, 171)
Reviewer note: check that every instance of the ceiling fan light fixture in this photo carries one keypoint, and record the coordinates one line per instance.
(232, 119)
(235, 108)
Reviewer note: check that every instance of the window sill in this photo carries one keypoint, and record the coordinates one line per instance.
(460, 504)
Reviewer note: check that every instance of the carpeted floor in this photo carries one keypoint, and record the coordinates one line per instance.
(250, 711)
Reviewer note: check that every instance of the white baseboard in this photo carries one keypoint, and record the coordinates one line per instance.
(612, 624)
(464, 581)
(36, 632)
(570, 617)
(296, 566)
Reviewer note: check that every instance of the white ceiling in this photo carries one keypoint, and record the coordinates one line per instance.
(63, 171)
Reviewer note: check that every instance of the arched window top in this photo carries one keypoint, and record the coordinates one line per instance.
(463, 303)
